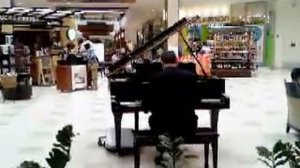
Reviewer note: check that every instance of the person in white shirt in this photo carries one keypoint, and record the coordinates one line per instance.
(114, 57)
(205, 48)
(85, 41)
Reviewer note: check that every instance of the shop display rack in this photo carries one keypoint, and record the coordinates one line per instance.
(233, 51)
(6, 63)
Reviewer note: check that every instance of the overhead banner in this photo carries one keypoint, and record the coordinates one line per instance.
(14, 18)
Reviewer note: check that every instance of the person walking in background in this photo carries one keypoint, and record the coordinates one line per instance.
(92, 66)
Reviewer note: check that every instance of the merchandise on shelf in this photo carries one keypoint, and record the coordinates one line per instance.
(233, 50)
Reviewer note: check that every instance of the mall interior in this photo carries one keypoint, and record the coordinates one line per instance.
(74, 75)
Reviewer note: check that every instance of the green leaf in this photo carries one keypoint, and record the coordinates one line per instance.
(29, 164)
(264, 152)
(278, 147)
(297, 144)
(281, 162)
(266, 163)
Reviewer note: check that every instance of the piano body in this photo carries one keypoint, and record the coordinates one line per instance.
(127, 88)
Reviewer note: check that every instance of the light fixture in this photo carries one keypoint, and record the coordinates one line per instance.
(206, 12)
(164, 15)
(71, 34)
(216, 11)
(225, 10)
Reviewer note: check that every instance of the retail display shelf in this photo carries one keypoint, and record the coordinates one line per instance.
(232, 72)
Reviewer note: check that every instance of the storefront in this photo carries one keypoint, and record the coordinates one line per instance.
(235, 33)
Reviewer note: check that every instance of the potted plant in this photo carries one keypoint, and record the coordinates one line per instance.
(281, 154)
(59, 155)
(169, 152)
(30, 164)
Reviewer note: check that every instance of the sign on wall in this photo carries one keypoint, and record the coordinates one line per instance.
(18, 18)
(7, 29)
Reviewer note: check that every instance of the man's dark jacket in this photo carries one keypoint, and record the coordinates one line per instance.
(171, 98)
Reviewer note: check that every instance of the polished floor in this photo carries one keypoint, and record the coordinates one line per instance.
(27, 128)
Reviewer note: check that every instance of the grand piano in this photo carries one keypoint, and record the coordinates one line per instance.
(127, 89)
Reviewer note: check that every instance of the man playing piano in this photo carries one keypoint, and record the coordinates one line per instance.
(171, 100)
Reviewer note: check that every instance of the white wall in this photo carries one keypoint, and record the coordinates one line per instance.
(138, 14)
(287, 31)
(4, 3)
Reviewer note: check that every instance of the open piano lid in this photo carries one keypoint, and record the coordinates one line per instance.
(156, 41)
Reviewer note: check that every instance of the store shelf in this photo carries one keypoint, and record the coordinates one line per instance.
(232, 52)
(232, 72)
(229, 61)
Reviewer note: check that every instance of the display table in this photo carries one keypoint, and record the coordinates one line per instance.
(71, 77)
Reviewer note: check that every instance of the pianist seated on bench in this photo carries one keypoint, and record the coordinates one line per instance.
(171, 100)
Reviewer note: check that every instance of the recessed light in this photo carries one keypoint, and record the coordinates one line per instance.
(68, 3)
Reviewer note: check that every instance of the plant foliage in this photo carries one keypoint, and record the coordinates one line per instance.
(169, 151)
(29, 164)
(59, 156)
(281, 154)
(60, 153)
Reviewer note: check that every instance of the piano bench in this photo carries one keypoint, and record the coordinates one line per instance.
(204, 136)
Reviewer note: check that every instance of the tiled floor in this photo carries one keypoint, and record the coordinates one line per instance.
(27, 128)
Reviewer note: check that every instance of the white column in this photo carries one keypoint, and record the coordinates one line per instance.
(172, 16)
(275, 28)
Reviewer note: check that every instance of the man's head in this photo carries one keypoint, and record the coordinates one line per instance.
(80, 41)
(87, 46)
(70, 46)
(169, 58)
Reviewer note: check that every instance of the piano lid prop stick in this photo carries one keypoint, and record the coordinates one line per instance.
(157, 40)
(193, 55)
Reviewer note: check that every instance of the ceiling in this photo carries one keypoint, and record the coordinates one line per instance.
(189, 3)
(72, 3)
(95, 1)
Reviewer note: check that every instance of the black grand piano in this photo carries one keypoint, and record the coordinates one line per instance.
(127, 88)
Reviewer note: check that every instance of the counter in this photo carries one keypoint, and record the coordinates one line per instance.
(71, 77)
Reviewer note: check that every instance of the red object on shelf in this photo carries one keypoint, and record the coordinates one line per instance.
(203, 59)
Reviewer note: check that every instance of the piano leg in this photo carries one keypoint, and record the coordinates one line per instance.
(118, 122)
(214, 119)
(136, 120)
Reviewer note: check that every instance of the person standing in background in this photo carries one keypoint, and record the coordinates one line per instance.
(37, 45)
(83, 42)
(205, 48)
(20, 54)
(92, 66)
(114, 57)
(69, 51)
(204, 57)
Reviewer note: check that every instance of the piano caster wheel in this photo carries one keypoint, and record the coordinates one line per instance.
(288, 128)
(101, 141)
